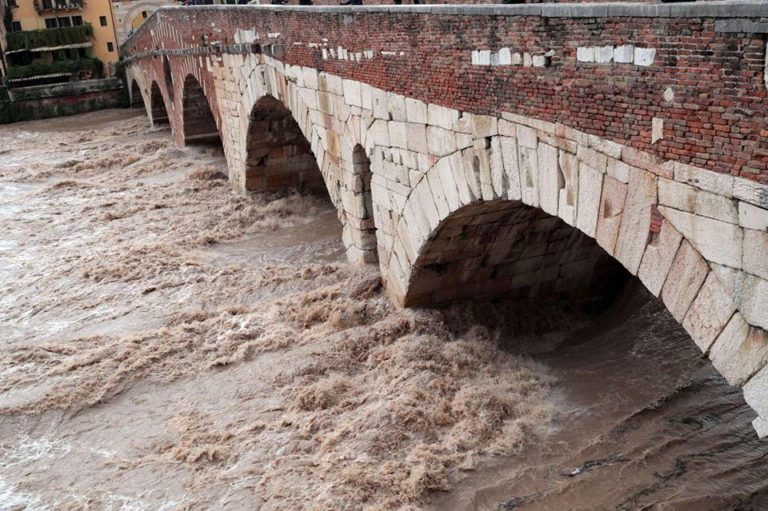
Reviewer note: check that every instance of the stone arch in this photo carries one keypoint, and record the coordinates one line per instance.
(157, 105)
(277, 154)
(198, 121)
(514, 213)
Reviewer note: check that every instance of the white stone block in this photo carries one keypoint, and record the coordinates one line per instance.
(644, 56)
(417, 137)
(756, 253)
(686, 276)
(396, 106)
(352, 93)
(624, 54)
(618, 170)
(739, 351)
(511, 167)
(415, 111)
(481, 57)
(658, 257)
(709, 313)
(603, 54)
(539, 61)
(590, 190)
(549, 190)
(752, 217)
(526, 136)
(517, 59)
(715, 182)
(756, 392)
(585, 54)
(442, 117)
(529, 175)
(636, 221)
(527, 59)
(751, 191)
(440, 142)
(657, 129)
(719, 242)
(569, 188)
(380, 104)
(398, 134)
(505, 57)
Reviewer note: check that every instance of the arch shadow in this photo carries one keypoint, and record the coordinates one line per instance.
(157, 105)
(198, 120)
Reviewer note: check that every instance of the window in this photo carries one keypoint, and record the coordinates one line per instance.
(144, 14)
(12, 3)
(16, 26)
(103, 21)
(110, 47)
(77, 21)
(64, 22)
(51, 23)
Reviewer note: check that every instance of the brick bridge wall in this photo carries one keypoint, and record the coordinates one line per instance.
(526, 150)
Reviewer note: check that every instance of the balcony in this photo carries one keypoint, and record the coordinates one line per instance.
(43, 6)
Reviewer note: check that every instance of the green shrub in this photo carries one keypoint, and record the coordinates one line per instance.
(30, 39)
(59, 66)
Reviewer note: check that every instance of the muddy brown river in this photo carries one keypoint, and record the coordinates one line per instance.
(168, 344)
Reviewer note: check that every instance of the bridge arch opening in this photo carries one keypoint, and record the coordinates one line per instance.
(278, 155)
(361, 168)
(199, 124)
(157, 105)
(506, 249)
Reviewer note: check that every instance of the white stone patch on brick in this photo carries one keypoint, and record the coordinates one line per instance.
(505, 57)
(539, 61)
(644, 56)
(624, 54)
(273, 35)
(368, 54)
(604, 54)
(669, 94)
(481, 57)
(657, 129)
(585, 54)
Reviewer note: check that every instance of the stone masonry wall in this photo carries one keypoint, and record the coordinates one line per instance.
(694, 236)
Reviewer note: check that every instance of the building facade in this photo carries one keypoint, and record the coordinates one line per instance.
(60, 40)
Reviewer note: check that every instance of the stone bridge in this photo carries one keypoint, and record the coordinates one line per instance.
(537, 151)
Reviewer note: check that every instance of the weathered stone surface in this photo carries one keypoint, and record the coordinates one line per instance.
(709, 312)
(529, 175)
(588, 208)
(752, 217)
(750, 294)
(417, 137)
(719, 242)
(618, 170)
(549, 189)
(398, 134)
(636, 219)
(756, 253)
(756, 392)
(685, 278)
(442, 117)
(352, 93)
(511, 167)
(693, 200)
(739, 351)
(611, 209)
(440, 142)
(415, 111)
(750, 191)
(569, 188)
(527, 137)
(721, 184)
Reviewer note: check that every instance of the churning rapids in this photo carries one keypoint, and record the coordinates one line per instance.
(167, 344)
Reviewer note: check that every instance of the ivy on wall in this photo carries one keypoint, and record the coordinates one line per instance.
(56, 67)
(49, 37)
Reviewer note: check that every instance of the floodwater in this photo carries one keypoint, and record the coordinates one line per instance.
(167, 344)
